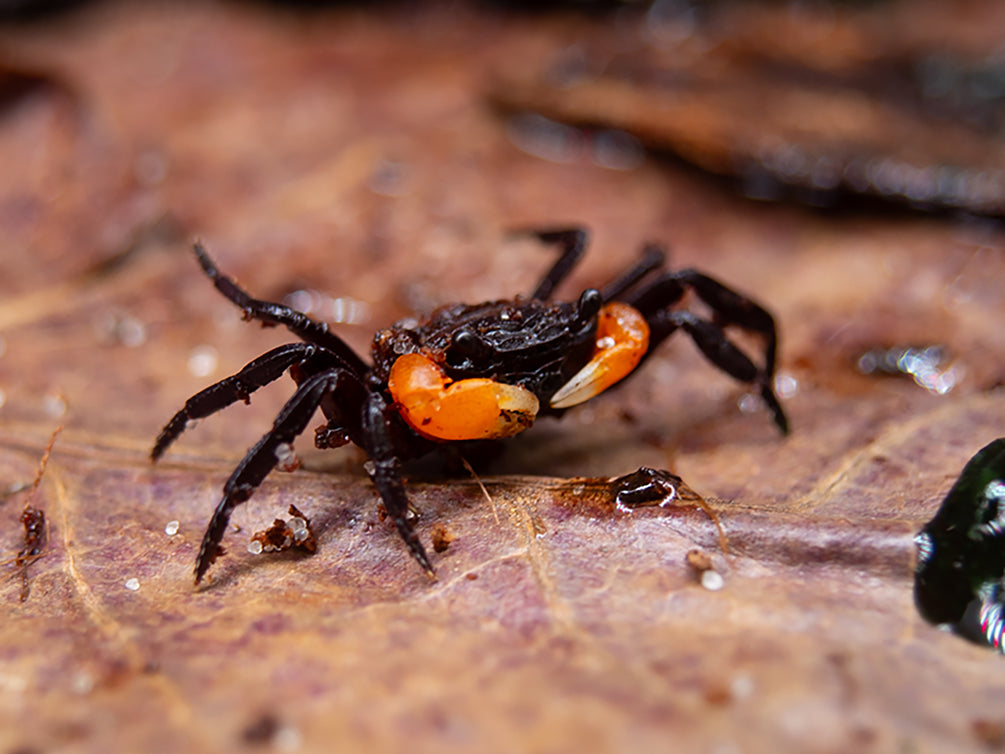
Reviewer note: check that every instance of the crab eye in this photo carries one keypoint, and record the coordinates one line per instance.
(466, 344)
(589, 306)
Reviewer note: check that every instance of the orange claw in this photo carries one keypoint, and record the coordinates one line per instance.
(622, 341)
(472, 409)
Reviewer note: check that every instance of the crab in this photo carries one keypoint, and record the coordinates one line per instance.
(467, 372)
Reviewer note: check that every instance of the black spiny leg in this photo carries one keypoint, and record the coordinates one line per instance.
(729, 308)
(262, 458)
(238, 387)
(387, 476)
(652, 259)
(712, 342)
(269, 313)
(572, 242)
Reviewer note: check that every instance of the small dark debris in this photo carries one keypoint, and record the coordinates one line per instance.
(647, 487)
(262, 730)
(699, 560)
(991, 733)
(284, 535)
(656, 487)
(33, 521)
(442, 537)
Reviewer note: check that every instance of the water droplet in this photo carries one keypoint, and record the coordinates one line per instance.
(202, 361)
(750, 403)
(54, 405)
(545, 138)
(617, 150)
(786, 385)
(130, 332)
(712, 580)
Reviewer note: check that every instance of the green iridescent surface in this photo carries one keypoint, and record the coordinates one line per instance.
(960, 576)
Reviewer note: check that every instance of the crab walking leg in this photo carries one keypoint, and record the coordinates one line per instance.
(653, 257)
(238, 387)
(387, 476)
(265, 455)
(622, 341)
(472, 409)
(573, 242)
(271, 314)
(717, 348)
(729, 308)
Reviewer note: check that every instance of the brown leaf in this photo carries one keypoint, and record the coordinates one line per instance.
(351, 157)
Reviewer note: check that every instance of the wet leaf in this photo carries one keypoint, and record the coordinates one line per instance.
(349, 157)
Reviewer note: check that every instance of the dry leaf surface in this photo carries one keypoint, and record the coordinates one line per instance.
(353, 155)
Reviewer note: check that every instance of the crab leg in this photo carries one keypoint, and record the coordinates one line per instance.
(387, 476)
(266, 453)
(271, 314)
(573, 242)
(237, 387)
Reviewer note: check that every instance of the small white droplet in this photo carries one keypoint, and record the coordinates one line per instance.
(786, 385)
(12, 683)
(742, 687)
(302, 300)
(750, 403)
(202, 361)
(54, 405)
(151, 167)
(131, 332)
(171, 528)
(255, 547)
(605, 343)
(82, 683)
(347, 311)
(712, 580)
(545, 138)
(617, 150)
(286, 458)
(132, 585)
(287, 738)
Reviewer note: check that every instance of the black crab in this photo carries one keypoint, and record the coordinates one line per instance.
(467, 372)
